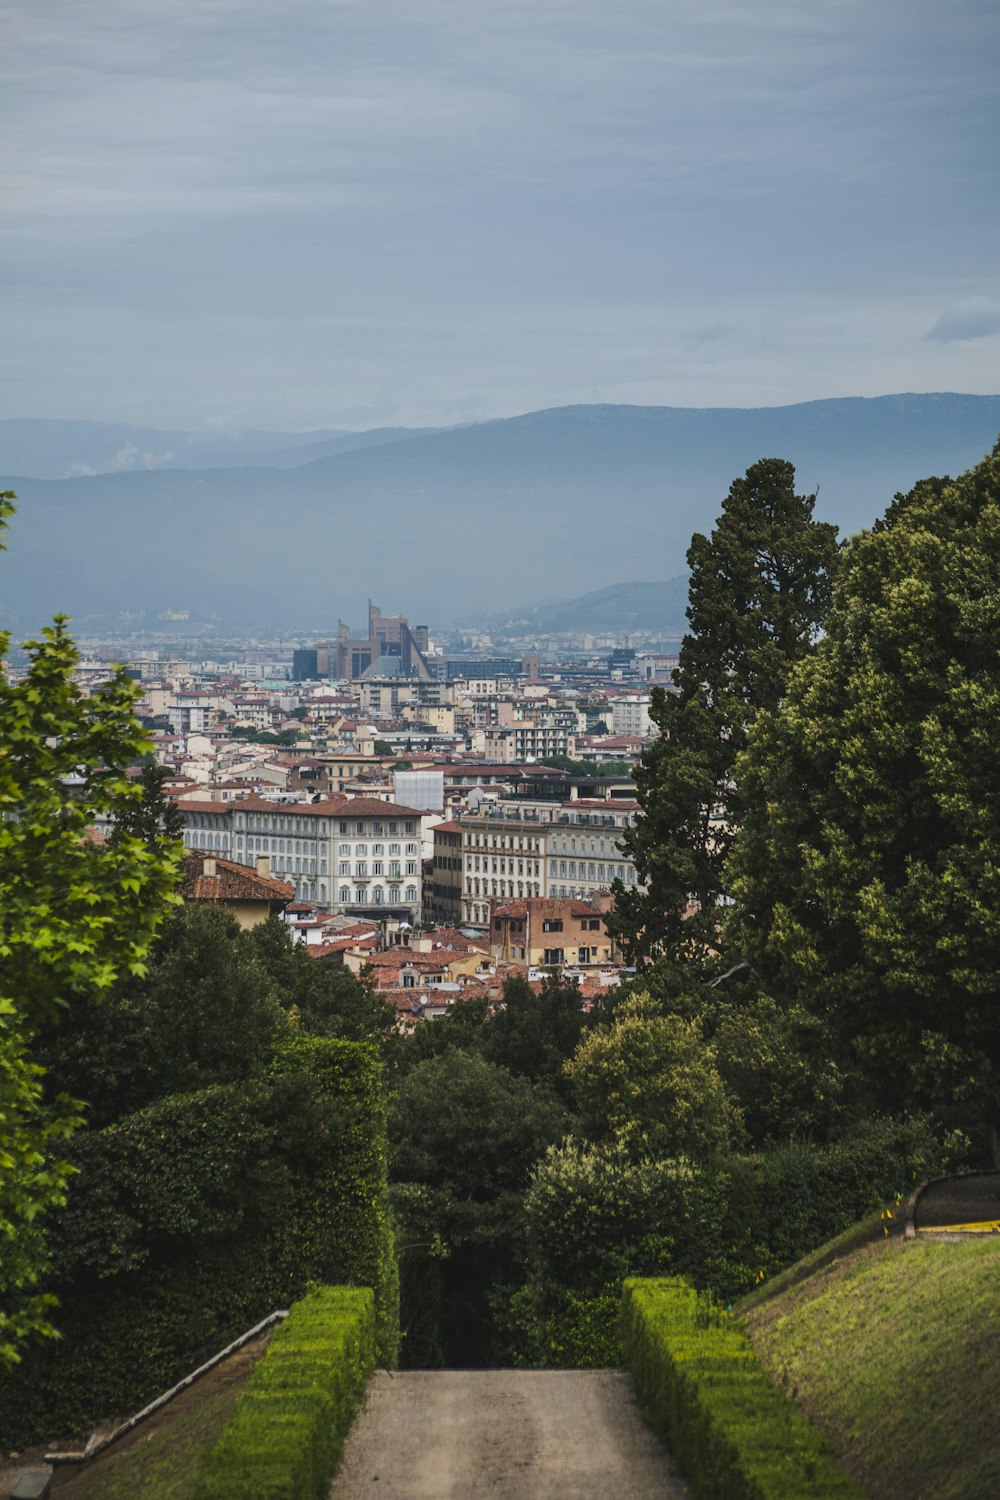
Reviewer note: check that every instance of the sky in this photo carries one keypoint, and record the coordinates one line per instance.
(226, 214)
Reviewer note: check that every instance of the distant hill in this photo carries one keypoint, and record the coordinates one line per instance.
(481, 518)
(621, 608)
(68, 450)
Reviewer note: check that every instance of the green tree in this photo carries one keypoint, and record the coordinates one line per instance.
(322, 998)
(207, 1012)
(154, 819)
(759, 592)
(75, 914)
(464, 1135)
(867, 868)
(649, 1083)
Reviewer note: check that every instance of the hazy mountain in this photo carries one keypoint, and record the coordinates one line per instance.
(67, 450)
(620, 608)
(480, 518)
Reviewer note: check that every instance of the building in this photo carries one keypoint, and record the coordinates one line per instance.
(393, 648)
(630, 716)
(356, 855)
(443, 891)
(523, 740)
(545, 932)
(248, 892)
(518, 849)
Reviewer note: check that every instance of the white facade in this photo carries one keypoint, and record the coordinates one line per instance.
(630, 717)
(347, 854)
(535, 850)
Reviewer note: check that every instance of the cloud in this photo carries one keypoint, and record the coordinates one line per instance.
(976, 318)
(129, 457)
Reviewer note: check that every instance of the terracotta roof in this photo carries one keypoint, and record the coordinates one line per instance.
(340, 806)
(231, 882)
(450, 827)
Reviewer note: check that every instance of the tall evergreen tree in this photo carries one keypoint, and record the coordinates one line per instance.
(154, 819)
(867, 869)
(760, 587)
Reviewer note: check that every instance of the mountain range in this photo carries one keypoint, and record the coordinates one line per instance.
(441, 524)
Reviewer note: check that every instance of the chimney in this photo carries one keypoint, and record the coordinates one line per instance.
(208, 868)
(264, 866)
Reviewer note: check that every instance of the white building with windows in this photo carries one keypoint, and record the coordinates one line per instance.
(348, 854)
(529, 849)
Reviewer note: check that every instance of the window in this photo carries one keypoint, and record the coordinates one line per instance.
(394, 892)
(553, 956)
(378, 848)
(408, 826)
(344, 849)
(362, 870)
(411, 867)
(377, 867)
(554, 924)
(345, 894)
(378, 895)
(394, 870)
(393, 848)
(342, 827)
(411, 848)
(411, 893)
(344, 868)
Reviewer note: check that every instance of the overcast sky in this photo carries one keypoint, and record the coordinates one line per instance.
(344, 213)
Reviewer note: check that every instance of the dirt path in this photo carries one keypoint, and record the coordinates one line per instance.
(511, 1434)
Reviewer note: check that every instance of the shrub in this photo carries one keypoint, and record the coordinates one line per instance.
(285, 1436)
(735, 1435)
(192, 1219)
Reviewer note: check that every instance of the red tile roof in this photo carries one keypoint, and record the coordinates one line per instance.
(231, 882)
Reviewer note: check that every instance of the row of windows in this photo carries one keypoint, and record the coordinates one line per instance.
(524, 866)
(502, 841)
(375, 895)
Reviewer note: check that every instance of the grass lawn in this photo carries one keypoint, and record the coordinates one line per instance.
(894, 1350)
(163, 1458)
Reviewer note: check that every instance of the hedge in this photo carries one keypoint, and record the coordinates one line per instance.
(193, 1219)
(285, 1436)
(734, 1433)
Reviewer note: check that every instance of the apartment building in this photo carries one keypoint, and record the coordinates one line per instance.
(518, 849)
(356, 855)
(523, 740)
(551, 931)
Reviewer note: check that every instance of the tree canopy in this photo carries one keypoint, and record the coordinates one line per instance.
(867, 868)
(76, 913)
(759, 590)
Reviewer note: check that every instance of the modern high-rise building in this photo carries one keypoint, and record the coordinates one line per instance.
(394, 648)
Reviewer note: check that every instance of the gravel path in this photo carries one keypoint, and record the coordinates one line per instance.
(973, 1198)
(511, 1434)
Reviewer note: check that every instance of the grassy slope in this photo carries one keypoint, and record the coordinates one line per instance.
(894, 1350)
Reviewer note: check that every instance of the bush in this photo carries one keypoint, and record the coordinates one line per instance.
(735, 1435)
(596, 1214)
(286, 1434)
(192, 1219)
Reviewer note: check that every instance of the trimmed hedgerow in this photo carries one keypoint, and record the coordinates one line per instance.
(735, 1435)
(191, 1220)
(285, 1436)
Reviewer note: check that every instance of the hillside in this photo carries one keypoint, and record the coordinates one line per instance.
(66, 450)
(498, 515)
(621, 607)
(892, 1350)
